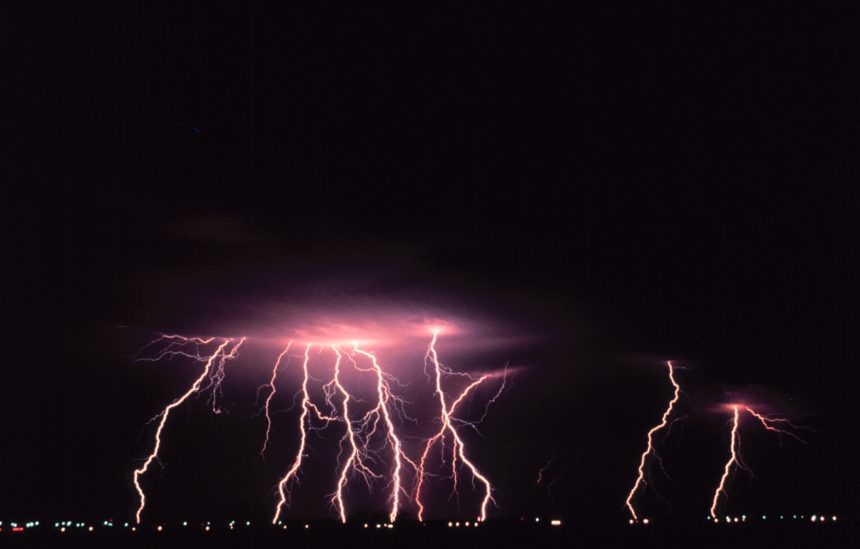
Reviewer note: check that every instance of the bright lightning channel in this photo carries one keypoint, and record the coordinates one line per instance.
(649, 449)
(213, 374)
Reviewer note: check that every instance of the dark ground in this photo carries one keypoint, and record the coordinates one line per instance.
(489, 535)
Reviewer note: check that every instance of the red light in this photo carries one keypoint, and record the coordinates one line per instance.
(18, 529)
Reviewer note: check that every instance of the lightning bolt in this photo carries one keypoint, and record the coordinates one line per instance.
(649, 449)
(304, 425)
(355, 459)
(735, 457)
(272, 390)
(447, 425)
(542, 471)
(212, 375)
(385, 399)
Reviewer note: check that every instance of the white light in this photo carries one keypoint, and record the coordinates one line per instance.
(537, 519)
(645, 521)
(207, 528)
(833, 518)
(63, 529)
(365, 525)
(555, 522)
(457, 524)
(307, 526)
(630, 521)
(184, 523)
(812, 518)
(450, 524)
(467, 523)
(160, 528)
(90, 528)
(736, 519)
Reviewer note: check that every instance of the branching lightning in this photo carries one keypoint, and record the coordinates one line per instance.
(447, 425)
(212, 376)
(355, 461)
(649, 449)
(371, 446)
(272, 390)
(735, 458)
(383, 410)
(304, 425)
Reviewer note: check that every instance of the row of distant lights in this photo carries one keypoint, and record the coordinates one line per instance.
(68, 525)
(743, 518)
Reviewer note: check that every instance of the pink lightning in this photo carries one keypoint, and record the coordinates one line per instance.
(304, 424)
(385, 399)
(447, 426)
(366, 436)
(272, 390)
(176, 348)
(733, 458)
(649, 449)
(355, 460)
(734, 447)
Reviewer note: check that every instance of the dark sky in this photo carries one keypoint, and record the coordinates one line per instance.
(622, 185)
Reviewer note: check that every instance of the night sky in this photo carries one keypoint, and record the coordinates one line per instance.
(596, 190)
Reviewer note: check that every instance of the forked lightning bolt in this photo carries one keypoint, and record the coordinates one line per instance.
(649, 449)
(447, 426)
(383, 410)
(734, 447)
(304, 425)
(355, 461)
(212, 375)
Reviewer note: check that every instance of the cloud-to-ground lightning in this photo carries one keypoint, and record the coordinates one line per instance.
(304, 425)
(355, 461)
(649, 448)
(212, 375)
(371, 448)
(447, 426)
(735, 457)
(383, 411)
